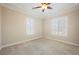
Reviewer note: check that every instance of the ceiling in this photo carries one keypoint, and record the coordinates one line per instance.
(58, 8)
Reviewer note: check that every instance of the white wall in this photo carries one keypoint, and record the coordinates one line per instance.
(14, 27)
(0, 27)
(73, 28)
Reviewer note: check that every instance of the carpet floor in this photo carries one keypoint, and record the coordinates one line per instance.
(41, 47)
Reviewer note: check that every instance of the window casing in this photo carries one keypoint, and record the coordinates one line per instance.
(30, 26)
(59, 26)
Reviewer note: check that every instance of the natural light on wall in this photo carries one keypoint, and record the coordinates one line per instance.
(30, 26)
(59, 26)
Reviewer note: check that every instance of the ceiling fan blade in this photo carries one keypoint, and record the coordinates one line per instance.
(49, 7)
(48, 3)
(36, 7)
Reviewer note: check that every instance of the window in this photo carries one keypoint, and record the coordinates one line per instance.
(59, 26)
(30, 26)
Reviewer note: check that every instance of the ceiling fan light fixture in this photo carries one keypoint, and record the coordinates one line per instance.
(44, 6)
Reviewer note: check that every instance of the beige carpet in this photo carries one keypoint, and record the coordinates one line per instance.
(41, 47)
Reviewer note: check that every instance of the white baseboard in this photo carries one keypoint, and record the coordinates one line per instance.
(66, 42)
(20, 42)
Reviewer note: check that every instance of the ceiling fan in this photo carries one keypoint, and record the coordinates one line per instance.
(43, 6)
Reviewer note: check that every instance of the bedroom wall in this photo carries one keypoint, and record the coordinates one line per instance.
(14, 27)
(0, 27)
(73, 28)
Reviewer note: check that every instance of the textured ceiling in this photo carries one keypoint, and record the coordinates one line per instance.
(58, 8)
